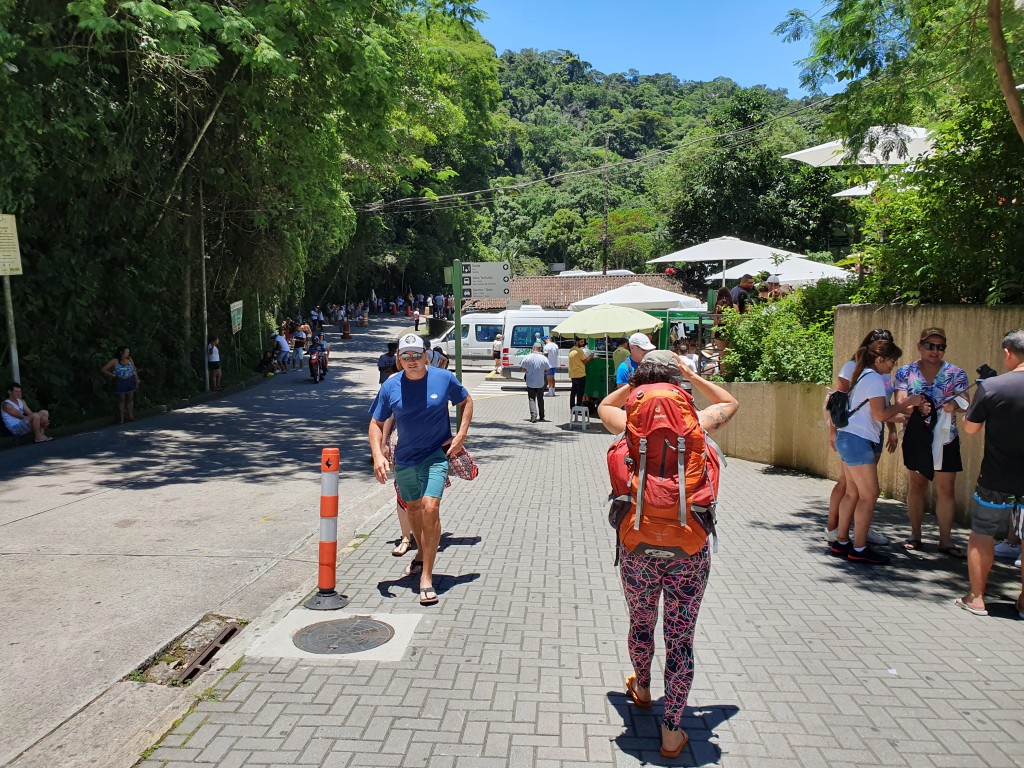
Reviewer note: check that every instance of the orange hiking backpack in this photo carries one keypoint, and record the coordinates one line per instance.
(664, 477)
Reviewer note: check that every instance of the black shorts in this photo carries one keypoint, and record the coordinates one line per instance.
(213, 366)
(496, 355)
(951, 461)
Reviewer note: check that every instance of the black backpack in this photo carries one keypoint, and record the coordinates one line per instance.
(838, 406)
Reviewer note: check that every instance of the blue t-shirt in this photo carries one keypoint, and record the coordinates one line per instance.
(421, 412)
(624, 371)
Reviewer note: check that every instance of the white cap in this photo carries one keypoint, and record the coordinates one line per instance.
(641, 340)
(410, 343)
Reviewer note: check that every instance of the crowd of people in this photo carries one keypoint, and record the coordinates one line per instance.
(918, 404)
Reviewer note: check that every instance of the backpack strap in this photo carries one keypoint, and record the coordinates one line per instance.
(681, 472)
(641, 483)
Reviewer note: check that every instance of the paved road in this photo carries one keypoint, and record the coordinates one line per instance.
(115, 542)
(802, 660)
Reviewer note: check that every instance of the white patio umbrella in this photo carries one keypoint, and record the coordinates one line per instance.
(722, 249)
(887, 151)
(639, 296)
(861, 190)
(793, 271)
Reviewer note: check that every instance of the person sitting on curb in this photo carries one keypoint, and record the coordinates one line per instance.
(20, 419)
(998, 497)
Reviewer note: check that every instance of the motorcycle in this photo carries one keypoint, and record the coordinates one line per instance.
(316, 368)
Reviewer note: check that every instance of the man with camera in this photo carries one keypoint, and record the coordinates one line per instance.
(999, 495)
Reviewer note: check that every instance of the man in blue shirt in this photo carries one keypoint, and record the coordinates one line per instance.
(639, 345)
(418, 398)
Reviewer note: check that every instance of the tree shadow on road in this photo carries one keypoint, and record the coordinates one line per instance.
(642, 737)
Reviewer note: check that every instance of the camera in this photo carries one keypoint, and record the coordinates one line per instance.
(985, 371)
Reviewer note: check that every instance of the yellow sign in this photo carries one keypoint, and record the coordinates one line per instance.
(10, 254)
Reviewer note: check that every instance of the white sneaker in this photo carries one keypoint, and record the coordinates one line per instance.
(1008, 551)
(831, 536)
(877, 538)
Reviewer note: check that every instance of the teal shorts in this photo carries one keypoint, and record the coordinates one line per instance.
(423, 479)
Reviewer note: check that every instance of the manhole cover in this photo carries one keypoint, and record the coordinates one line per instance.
(344, 636)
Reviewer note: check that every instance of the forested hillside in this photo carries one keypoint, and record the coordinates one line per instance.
(305, 152)
(560, 119)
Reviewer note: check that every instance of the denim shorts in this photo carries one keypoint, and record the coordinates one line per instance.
(423, 479)
(856, 451)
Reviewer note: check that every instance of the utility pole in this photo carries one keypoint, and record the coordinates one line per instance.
(202, 274)
(604, 233)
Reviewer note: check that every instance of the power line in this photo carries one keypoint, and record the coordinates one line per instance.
(420, 202)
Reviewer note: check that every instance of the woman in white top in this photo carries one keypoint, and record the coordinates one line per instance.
(213, 362)
(496, 353)
(839, 491)
(860, 442)
(20, 419)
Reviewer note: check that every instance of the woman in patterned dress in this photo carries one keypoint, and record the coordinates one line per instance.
(945, 385)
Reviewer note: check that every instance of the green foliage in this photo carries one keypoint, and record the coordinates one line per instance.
(140, 135)
(815, 305)
(956, 234)
(770, 342)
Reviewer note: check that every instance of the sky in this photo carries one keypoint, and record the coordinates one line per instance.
(689, 39)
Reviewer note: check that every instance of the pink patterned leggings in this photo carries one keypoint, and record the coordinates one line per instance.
(683, 583)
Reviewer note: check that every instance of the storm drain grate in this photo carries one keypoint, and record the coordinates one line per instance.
(344, 636)
(201, 662)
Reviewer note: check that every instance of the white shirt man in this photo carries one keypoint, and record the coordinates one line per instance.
(551, 352)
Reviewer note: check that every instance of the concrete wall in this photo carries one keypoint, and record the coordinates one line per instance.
(784, 424)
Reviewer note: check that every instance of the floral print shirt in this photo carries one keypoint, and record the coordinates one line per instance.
(949, 382)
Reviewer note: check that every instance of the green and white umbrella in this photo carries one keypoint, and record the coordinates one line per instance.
(607, 320)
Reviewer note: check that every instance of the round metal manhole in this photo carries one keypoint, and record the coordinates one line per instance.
(344, 636)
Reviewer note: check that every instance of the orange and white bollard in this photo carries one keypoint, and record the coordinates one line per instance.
(346, 329)
(327, 597)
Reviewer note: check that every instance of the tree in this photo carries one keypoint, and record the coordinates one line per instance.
(902, 60)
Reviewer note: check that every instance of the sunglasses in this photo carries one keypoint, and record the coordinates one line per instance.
(934, 347)
(410, 357)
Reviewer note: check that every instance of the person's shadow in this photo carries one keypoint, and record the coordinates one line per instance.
(642, 738)
(442, 583)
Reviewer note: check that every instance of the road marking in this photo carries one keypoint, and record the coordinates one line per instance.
(490, 389)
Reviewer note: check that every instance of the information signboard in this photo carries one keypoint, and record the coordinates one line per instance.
(486, 279)
(236, 317)
(10, 253)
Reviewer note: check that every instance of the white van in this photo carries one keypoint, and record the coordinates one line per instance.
(478, 332)
(523, 327)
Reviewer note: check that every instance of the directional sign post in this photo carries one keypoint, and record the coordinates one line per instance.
(486, 279)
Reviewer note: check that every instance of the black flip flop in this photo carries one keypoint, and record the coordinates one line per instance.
(425, 596)
(414, 567)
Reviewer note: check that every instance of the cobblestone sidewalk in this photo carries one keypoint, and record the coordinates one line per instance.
(802, 660)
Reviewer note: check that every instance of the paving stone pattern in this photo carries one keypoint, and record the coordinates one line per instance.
(802, 660)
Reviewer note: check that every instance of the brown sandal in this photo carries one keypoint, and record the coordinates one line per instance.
(401, 549)
(631, 691)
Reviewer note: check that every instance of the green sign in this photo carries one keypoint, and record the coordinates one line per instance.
(236, 317)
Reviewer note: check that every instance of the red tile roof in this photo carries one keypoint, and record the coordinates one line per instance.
(554, 292)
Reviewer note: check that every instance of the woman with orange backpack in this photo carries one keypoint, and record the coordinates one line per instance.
(656, 560)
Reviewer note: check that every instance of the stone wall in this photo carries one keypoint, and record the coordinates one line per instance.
(785, 424)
